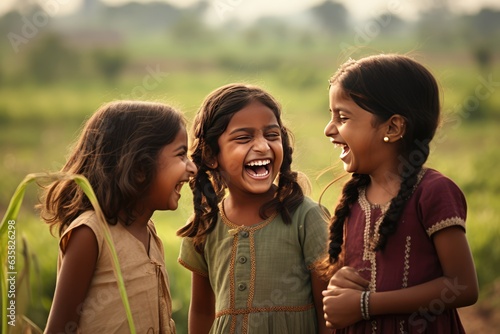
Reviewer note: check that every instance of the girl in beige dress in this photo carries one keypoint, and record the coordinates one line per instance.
(134, 155)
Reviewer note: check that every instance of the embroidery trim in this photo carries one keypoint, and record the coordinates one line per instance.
(444, 224)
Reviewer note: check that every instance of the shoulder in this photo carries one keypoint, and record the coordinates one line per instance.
(435, 187)
(440, 202)
(310, 209)
(309, 206)
(88, 219)
(433, 181)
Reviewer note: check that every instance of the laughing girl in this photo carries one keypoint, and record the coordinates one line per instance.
(254, 238)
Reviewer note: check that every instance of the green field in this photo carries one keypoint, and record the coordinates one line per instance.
(42, 112)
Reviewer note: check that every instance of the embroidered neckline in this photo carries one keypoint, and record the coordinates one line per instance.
(371, 236)
(236, 228)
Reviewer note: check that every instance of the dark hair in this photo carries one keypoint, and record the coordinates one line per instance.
(208, 186)
(386, 85)
(117, 152)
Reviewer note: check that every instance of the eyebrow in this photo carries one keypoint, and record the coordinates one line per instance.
(341, 108)
(181, 148)
(268, 127)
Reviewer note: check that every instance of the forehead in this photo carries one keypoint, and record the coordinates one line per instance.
(179, 140)
(337, 93)
(253, 115)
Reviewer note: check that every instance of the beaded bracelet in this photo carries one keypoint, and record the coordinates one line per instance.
(365, 301)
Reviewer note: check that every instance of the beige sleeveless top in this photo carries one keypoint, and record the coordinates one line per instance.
(145, 278)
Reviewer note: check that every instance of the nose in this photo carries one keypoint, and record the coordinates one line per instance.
(191, 168)
(331, 129)
(261, 144)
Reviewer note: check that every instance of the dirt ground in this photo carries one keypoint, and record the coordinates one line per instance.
(484, 316)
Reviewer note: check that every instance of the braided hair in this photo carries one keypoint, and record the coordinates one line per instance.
(208, 186)
(386, 85)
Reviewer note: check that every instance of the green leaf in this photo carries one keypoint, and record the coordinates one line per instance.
(12, 213)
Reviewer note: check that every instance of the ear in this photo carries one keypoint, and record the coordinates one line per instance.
(212, 163)
(395, 128)
(209, 159)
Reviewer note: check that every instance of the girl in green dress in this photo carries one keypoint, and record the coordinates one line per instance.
(254, 239)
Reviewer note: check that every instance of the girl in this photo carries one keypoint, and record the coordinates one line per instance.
(135, 156)
(398, 231)
(251, 251)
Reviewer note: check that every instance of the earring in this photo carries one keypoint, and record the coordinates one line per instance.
(386, 139)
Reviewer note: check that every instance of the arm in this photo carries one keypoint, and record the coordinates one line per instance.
(202, 307)
(77, 270)
(456, 288)
(318, 285)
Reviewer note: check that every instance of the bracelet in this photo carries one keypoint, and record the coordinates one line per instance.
(365, 301)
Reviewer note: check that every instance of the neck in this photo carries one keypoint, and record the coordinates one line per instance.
(243, 209)
(384, 186)
(140, 219)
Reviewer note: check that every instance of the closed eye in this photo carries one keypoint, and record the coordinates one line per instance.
(338, 118)
(243, 139)
(273, 135)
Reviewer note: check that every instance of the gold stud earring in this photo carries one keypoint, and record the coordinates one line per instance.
(386, 139)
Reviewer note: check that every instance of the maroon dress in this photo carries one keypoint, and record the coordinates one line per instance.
(409, 257)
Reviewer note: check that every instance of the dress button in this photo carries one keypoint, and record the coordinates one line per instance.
(242, 259)
(244, 234)
(242, 286)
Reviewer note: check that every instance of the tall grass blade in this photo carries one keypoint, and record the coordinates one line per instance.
(12, 213)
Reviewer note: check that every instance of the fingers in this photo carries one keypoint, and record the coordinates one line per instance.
(348, 277)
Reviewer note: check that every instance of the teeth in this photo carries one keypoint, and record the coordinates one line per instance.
(336, 145)
(263, 174)
(259, 163)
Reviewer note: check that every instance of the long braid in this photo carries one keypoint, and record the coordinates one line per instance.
(390, 222)
(205, 203)
(290, 194)
(410, 178)
(350, 194)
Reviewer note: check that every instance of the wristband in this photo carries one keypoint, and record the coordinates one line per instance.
(365, 302)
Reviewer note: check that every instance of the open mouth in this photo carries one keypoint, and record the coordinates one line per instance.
(345, 149)
(178, 187)
(258, 168)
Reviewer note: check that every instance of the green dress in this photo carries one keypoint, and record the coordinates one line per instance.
(260, 274)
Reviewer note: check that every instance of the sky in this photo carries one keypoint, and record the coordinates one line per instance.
(248, 10)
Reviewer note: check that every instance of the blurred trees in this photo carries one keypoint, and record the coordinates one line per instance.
(98, 39)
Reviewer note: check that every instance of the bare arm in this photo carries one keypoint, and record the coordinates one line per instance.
(456, 288)
(202, 308)
(318, 285)
(77, 270)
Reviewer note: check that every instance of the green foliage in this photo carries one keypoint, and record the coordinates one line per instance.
(109, 63)
(51, 60)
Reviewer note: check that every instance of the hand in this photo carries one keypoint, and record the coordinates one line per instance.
(348, 278)
(341, 307)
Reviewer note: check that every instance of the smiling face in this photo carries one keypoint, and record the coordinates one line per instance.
(357, 132)
(173, 170)
(251, 150)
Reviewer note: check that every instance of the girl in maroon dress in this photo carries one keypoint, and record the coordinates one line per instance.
(398, 252)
